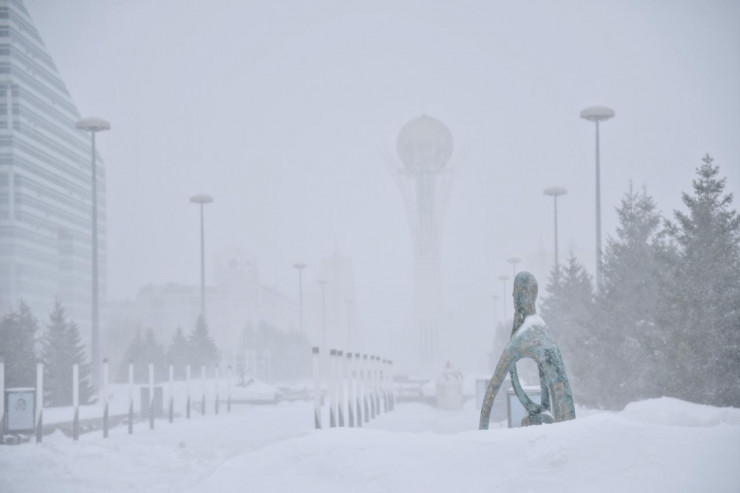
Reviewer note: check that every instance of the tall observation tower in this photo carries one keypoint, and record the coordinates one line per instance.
(424, 146)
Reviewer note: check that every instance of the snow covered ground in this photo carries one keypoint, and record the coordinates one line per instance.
(658, 445)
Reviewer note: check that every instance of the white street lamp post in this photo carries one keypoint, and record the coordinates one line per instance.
(94, 125)
(555, 192)
(598, 114)
(202, 199)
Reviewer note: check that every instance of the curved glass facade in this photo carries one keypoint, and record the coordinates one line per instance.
(45, 181)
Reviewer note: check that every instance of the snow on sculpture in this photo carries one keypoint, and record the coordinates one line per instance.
(530, 338)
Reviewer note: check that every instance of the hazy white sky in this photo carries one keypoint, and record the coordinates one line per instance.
(282, 111)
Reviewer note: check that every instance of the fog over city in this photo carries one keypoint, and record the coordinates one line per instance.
(286, 113)
(382, 174)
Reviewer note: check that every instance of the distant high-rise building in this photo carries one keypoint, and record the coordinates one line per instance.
(45, 181)
(424, 146)
(240, 305)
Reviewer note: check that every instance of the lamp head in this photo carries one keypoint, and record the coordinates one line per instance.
(597, 113)
(201, 198)
(92, 124)
(555, 191)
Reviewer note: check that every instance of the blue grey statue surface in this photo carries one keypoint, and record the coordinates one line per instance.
(530, 338)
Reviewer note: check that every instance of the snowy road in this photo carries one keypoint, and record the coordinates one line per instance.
(659, 445)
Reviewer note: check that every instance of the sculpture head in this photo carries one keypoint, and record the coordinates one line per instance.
(525, 294)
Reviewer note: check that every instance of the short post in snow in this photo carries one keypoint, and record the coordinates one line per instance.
(171, 410)
(203, 389)
(332, 390)
(187, 390)
(39, 402)
(365, 388)
(389, 384)
(384, 385)
(76, 402)
(371, 383)
(104, 397)
(151, 396)
(316, 388)
(376, 384)
(130, 397)
(228, 389)
(2, 398)
(358, 389)
(215, 388)
(350, 391)
(340, 383)
(392, 382)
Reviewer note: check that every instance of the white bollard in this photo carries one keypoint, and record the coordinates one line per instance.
(151, 396)
(365, 389)
(340, 387)
(215, 389)
(104, 397)
(378, 389)
(187, 390)
(130, 397)
(2, 399)
(316, 388)
(374, 386)
(332, 389)
(386, 385)
(383, 395)
(39, 402)
(358, 390)
(350, 391)
(76, 402)
(171, 410)
(393, 385)
(229, 377)
(203, 388)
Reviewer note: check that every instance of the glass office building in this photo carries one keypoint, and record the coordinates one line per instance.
(45, 181)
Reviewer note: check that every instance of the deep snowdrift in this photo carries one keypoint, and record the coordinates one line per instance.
(658, 445)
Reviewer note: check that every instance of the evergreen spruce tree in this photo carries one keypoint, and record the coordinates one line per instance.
(178, 353)
(203, 349)
(152, 352)
(17, 347)
(133, 355)
(62, 347)
(568, 309)
(630, 308)
(706, 292)
(141, 352)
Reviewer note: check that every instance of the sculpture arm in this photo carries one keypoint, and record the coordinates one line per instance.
(502, 368)
(544, 392)
(531, 406)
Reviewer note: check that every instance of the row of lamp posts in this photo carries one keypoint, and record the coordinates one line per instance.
(94, 125)
(594, 114)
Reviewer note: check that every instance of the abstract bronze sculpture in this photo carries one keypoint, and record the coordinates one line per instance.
(530, 338)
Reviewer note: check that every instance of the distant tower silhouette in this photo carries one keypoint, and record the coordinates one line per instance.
(424, 146)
